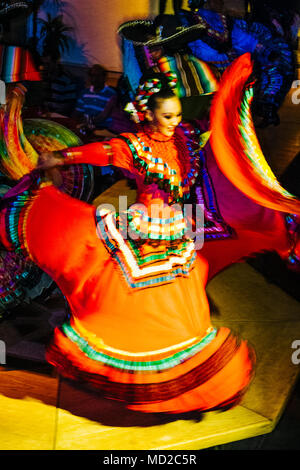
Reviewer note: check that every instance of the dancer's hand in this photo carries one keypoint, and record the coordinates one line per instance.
(48, 160)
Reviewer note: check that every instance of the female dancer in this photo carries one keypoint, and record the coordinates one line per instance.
(140, 328)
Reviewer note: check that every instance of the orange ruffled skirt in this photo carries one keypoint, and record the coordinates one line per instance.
(139, 330)
(216, 377)
(148, 343)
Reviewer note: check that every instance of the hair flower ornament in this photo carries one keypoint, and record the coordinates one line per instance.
(139, 106)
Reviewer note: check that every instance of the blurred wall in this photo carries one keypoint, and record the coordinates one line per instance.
(95, 24)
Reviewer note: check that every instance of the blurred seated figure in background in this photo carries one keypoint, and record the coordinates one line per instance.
(97, 109)
(96, 103)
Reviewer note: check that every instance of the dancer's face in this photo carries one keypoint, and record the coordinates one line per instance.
(166, 115)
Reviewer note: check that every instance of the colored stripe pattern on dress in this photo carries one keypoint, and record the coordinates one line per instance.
(236, 146)
(138, 363)
(143, 386)
(142, 264)
(157, 171)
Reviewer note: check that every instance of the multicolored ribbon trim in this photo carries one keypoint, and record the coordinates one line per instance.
(155, 170)
(142, 263)
(139, 362)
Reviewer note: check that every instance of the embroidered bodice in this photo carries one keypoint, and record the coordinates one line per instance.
(163, 167)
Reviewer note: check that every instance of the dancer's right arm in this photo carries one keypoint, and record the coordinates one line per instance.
(115, 152)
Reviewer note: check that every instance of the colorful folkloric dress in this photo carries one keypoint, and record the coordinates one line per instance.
(139, 328)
